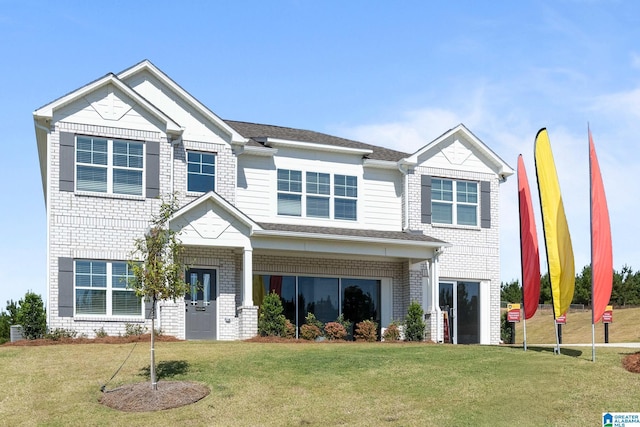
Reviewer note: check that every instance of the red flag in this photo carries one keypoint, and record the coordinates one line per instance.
(529, 251)
(601, 246)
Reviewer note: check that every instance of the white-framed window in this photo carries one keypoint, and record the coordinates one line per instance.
(101, 289)
(318, 192)
(346, 197)
(289, 192)
(201, 171)
(109, 166)
(315, 197)
(454, 202)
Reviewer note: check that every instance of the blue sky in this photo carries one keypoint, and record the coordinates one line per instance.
(396, 74)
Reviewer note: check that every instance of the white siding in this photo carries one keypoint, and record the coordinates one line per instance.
(109, 107)
(196, 126)
(381, 199)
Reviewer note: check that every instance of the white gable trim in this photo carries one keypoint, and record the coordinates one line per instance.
(219, 201)
(46, 112)
(146, 65)
(501, 168)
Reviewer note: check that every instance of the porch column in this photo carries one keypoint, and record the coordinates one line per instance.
(437, 326)
(247, 278)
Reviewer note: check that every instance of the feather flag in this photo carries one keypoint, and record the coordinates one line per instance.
(601, 246)
(556, 230)
(529, 251)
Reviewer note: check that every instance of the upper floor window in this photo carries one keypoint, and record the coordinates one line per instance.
(109, 166)
(346, 194)
(201, 171)
(101, 289)
(319, 200)
(289, 192)
(318, 191)
(454, 202)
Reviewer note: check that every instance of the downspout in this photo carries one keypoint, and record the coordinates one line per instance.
(48, 216)
(435, 295)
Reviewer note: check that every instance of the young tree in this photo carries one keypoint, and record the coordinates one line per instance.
(32, 316)
(414, 323)
(271, 322)
(157, 268)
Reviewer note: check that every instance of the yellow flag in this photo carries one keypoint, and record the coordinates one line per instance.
(556, 230)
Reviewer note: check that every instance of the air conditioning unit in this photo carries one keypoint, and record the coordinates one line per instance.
(15, 333)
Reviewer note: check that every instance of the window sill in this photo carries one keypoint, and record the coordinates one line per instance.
(108, 195)
(456, 226)
(100, 318)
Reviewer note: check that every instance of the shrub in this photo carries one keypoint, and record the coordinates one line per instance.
(345, 323)
(506, 331)
(311, 320)
(32, 316)
(392, 333)
(289, 329)
(414, 323)
(59, 333)
(131, 329)
(100, 333)
(334, 331)
(271, 321)
(367, 330)
(309, 332)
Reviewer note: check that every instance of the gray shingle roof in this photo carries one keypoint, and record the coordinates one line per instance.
(254, 131)
(376, 234)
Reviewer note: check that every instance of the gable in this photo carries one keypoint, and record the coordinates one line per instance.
(456, 153)
(207, 224)
(109, 106)
(199, 123)
(458, 149)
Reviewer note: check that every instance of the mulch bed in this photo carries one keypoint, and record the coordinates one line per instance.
(139, 397)
(103, 340)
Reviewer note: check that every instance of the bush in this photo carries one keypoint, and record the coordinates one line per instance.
(367, 330)
(289, 329)
(414, 323)
(309, 332)
(32, 316)
(59, 333)
(100, 333)
(334, 331)
(131, 329)
(345, 323)
(311, 320)
(271, 321)
(392, 333)
(507, 334)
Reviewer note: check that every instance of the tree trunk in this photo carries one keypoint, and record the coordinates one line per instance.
(152, 370)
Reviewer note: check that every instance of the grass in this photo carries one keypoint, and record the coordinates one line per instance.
(322, 384)
(577, 330)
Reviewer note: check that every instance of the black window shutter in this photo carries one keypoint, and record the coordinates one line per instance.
(425, 198)
(67, 161)
(153, 169)
(65, 287)
(485, 204)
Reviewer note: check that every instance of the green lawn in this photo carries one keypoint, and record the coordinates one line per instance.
(321, 384)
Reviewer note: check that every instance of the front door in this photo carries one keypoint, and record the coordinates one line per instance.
(461, 302)
(200, 304)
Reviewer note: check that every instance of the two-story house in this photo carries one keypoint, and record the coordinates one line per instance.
(334, 226)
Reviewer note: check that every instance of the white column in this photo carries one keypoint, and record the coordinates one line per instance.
(247, 278)
(435, 292)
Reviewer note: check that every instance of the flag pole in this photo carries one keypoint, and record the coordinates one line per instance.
(593, 313)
